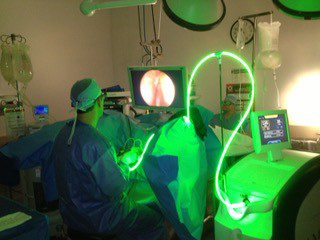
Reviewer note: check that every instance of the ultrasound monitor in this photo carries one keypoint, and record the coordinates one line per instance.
(161, 88)
(270, 132)
(41, 113)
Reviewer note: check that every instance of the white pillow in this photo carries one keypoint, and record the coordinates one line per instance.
(240, 145)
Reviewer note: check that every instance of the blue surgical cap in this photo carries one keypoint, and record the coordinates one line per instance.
(84, 93)
(83, 96)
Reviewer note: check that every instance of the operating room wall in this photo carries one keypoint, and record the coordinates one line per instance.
(297, 45)
(65, 46)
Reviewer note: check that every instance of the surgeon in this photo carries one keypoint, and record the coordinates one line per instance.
(91, 185)
(230, 118)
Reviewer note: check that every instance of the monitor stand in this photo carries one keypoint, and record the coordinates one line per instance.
(274, 155)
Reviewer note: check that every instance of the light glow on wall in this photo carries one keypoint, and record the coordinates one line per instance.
(303, 100)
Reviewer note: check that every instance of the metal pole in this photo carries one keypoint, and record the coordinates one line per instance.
(254, 46)
(254, 55)
(220, 83)
(257, 15)
(13, 39)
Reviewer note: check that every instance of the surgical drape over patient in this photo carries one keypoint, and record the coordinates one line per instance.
(176, 168)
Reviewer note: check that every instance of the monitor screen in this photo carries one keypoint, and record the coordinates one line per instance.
(270, 130)
(273, 129)
(41, 110)
(162, 88)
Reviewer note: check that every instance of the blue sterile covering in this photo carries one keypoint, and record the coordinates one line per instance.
(31, 150)
(34, 150)
(35, 228)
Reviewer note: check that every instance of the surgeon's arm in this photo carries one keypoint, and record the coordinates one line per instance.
(108, 175)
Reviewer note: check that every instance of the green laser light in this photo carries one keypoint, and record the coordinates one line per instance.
(236, 210)
(231, 206)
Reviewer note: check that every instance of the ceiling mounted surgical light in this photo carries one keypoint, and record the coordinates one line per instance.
(306, 9)
(197, 15)
(87, 7)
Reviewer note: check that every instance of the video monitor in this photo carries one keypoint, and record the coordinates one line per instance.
(158, 88)
(41, 110)
(270, 130)
(41, 113)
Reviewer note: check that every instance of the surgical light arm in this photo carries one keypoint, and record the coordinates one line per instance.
(87, 7)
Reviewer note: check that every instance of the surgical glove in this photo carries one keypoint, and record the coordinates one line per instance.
(132, 156)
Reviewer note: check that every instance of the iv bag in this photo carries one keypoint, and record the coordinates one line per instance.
(22, 68)
(26, 64)
(6, 63)
(269, 39)
(17, 62)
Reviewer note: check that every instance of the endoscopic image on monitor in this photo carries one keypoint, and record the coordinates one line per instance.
(158, 87)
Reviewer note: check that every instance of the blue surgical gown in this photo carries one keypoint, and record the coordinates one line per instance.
(229, 123)
(92, 188)
(35, 149)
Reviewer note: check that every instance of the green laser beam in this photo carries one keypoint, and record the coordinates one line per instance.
(142, 155)
(230, 206)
